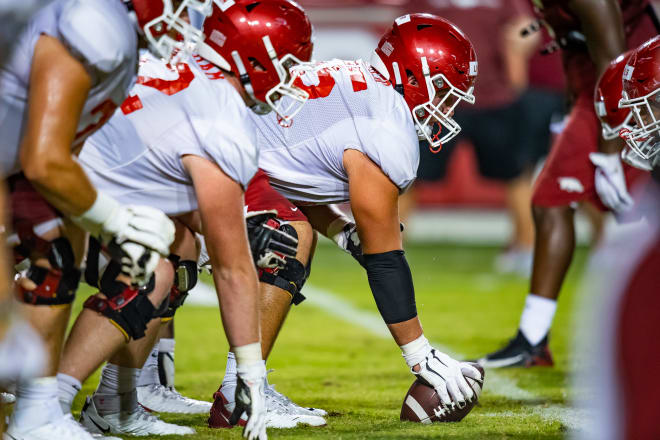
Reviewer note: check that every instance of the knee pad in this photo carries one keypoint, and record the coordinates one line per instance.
(185, 278)
(291, 278)
(55, 286)
(128, 308)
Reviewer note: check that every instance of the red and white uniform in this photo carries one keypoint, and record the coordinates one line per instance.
(171, 112)
(350, 107)
(618, 360)
(101, 36)
(568, 174)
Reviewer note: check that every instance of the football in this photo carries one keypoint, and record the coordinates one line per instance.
(422, 403)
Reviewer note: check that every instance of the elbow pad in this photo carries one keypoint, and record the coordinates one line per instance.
(391, 285)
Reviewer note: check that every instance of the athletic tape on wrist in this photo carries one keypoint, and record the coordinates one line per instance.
(101, 210)
(415, 351)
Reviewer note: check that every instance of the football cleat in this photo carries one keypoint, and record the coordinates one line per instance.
(519, 353)
(271, 392)
(279, 414)
(63, 428)
(159, 398)
(138, 423)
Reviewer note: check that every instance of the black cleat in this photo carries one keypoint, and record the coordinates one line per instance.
(519, 353)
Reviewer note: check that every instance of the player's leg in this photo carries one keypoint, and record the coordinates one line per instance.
(52, 253)
(566, 180)
(151, 392)
(275, 304)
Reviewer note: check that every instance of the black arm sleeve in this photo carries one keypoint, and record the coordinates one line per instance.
(391, 285)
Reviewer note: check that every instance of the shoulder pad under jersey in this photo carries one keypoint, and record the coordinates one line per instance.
(99, 32)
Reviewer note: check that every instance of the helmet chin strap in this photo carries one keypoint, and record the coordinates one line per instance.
(260, 108)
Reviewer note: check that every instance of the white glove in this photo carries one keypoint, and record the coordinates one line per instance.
(611, 182)
(440, 371)
(250, 398)
(139, 232)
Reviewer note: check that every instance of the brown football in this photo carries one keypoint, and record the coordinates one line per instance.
(422, 403)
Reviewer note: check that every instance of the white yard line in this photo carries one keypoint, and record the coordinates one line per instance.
(496, 383)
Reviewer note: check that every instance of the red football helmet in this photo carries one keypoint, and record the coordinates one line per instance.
(607, 96)
(158, 18)
(641, 84)
(433, 64)
(260, 41)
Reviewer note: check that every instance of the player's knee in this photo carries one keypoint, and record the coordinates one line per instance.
(127, 307)
(56, 285)
(185, 279)
(290, 279)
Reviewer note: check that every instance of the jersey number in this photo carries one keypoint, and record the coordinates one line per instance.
(327, 82)
(166, 86)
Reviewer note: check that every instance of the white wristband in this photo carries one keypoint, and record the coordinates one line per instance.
(101, 210)
(248, 354)
(415, 352)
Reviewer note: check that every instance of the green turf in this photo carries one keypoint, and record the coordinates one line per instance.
(361, 378)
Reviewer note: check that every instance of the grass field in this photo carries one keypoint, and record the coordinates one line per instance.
(332, 352)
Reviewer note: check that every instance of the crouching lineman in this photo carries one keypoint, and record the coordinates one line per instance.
(181, 142)
(624, 281)
(71, 67)
(356, 140)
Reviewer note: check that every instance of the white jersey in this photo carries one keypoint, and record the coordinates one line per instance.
(350, 107)
(100, 34)
(137, 156)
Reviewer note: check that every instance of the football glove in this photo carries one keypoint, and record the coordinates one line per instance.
(269, 244)
(251, 399)
(444, 374)
(610, 182)
(349, 241)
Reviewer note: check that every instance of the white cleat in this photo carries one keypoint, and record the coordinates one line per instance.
(160, 398)
(65, 428)
(139, 422)
(272, 393)
(282, 404)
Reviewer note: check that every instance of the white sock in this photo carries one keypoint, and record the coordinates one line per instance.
(166, 345)
(166, 368)
(149, 372)
(116, 391)
(117, 380)
(68, 387)
(229, 381)
(536, 318)
(36, 404)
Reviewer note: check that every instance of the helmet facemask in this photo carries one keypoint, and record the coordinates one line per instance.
(644, 137)
(434, 122)
(158, 31)
(285, 99)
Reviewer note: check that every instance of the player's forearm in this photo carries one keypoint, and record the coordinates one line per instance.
(62, 182)
(237, 289)
(322, 217)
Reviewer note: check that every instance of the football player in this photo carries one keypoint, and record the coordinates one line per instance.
(180, 142)
(582, 165)
(71, 66)
(357, 140)
(625, 280)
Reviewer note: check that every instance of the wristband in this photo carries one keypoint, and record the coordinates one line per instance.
(101, 210)
(415, 352)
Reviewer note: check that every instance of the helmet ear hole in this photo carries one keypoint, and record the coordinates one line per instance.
(256, 65)
(251, 6)
(412, 80)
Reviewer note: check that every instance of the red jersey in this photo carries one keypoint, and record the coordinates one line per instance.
(565, 25)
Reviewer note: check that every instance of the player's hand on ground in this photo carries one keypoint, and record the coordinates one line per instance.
(268, 242)
(610, 182)
(136, 237)
(446, 375)
(251, 399)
